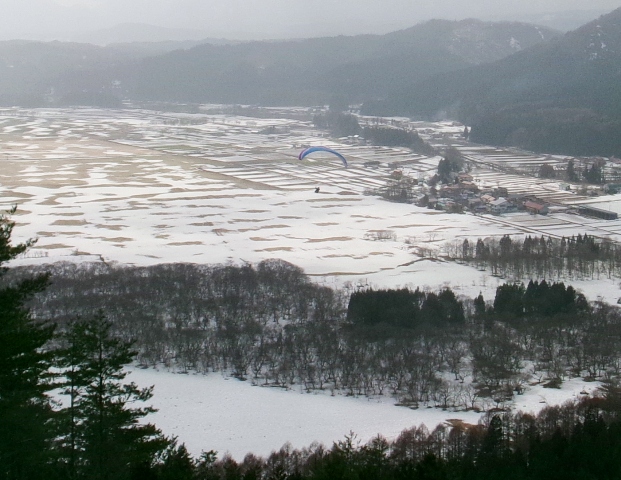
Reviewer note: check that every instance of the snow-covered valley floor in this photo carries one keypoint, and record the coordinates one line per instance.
(142, 188)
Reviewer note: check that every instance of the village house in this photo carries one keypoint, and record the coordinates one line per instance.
(450, 191)
(535, 208)
(464, 177)
(500, 206)
(476, 205)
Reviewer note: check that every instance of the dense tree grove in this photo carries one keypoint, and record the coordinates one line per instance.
(269, 324)
(397, 137)
(538, 300)
(404, 308)
(338, 123)
(450, 164)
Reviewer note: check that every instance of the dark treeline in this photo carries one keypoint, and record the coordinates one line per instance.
(338, 123)
(538, 299)
(397, 137)
(344, 125)
(580, 257)
(404, 308)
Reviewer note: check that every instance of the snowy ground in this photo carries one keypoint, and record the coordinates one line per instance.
(228, 415)
(140, 187)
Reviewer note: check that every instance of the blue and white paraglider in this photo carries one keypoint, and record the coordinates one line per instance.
(310, 150)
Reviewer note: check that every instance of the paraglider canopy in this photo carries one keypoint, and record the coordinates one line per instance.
(310, 150)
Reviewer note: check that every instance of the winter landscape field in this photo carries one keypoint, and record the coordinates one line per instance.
(141, 187)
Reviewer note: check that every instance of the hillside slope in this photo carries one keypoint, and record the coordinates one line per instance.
(563, 96)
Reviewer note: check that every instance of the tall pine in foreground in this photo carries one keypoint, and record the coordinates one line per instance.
(103, 437)
(25, 410)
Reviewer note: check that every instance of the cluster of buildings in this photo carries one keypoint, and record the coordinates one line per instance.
(465, 195)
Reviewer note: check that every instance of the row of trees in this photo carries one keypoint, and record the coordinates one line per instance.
(578, 257)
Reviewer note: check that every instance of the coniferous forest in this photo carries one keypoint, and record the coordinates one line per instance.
(67, 330)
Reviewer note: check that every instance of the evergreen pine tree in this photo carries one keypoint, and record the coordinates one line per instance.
(479, 306)
(103, 438)
(25, 410)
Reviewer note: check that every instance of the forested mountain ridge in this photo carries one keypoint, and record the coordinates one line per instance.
(474, 41)
(562, 96)
(296, 72)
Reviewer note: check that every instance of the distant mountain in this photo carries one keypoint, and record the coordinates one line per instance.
(297, 72)
(474, 41)
(139, 32)
(563, 96)
(150, 49)
(562, 20)
(317, 70)
(32, 72)
(59, 73)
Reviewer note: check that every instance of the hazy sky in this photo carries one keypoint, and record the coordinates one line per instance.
(263, 18)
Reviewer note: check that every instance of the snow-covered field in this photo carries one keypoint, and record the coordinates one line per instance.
(141, 187)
